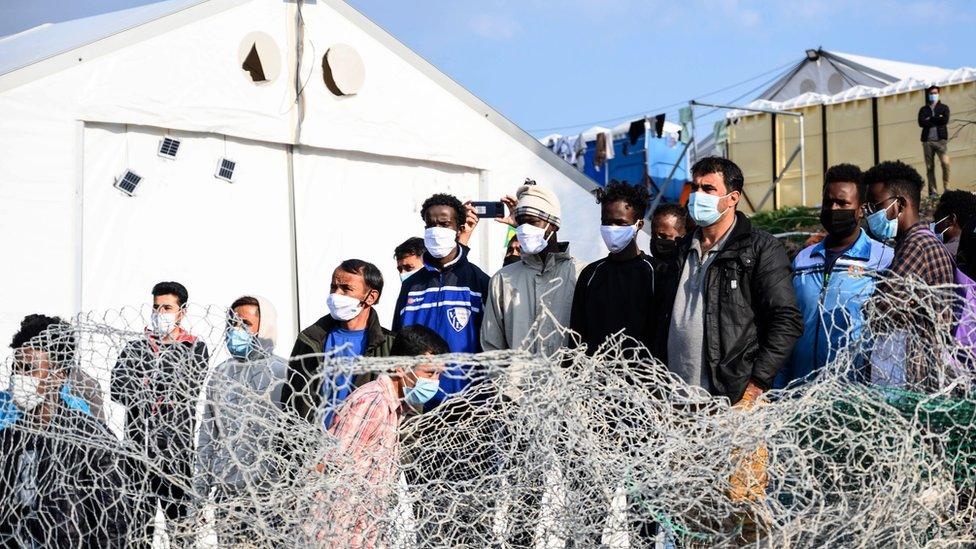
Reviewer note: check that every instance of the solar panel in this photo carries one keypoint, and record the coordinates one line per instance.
(128, 182)
(168, 147)
(225, 169)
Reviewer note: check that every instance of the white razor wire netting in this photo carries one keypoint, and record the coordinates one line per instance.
(162, 444)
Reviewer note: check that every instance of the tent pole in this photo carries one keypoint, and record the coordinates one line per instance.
(293, 236)
(79, 215)
(803, 165)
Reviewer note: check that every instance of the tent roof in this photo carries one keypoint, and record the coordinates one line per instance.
(855, 70)
(50, 39)
(52, 47)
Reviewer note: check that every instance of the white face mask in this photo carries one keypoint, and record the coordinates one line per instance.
(533, 239)
(344, 307)
(23, 389)
(407, 274)
(163, 323)
(440, 241)
(617, 237)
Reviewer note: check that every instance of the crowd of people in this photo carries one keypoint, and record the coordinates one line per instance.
(715, 299)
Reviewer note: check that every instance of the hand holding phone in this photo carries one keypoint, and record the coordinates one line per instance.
(489, 209)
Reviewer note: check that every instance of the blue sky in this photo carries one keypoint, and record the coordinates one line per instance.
(568, 64)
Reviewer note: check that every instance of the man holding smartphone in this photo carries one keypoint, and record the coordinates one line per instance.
(538, 287)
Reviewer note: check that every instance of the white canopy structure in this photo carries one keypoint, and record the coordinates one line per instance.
(306, 135)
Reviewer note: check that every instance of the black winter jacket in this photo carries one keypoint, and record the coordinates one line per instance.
(159, 384)
(751, 316)
(302, 393)
(940, 118)
(62, 487)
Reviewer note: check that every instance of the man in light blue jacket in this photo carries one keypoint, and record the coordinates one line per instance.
(834, 278)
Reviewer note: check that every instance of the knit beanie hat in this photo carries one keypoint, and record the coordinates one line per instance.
(539, 202)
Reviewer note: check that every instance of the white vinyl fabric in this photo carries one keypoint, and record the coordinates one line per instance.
(362, 164)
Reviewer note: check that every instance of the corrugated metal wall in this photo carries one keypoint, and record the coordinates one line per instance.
(850, 138)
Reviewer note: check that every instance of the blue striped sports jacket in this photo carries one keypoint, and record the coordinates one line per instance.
(450, 302)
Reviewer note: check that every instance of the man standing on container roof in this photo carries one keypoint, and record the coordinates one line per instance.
(933, 118)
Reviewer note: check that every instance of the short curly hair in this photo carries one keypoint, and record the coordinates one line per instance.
(679, 212)
(441, 199)
(899, 178)
(635, 196)
(958, 202)
(846, 173)
(47, 333)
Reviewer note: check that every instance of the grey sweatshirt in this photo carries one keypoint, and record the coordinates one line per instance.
(242, 418)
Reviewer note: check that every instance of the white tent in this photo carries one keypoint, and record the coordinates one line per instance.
(830, 73)
(334, 171)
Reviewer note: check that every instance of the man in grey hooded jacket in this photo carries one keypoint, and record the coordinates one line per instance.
(243, 421)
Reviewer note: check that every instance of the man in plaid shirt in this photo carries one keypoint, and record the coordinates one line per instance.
(364, 466)
(894, 194)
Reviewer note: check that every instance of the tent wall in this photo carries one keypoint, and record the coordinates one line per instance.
(788, 139)
(850, 138)
(222, 240)
(407, 119)
(336, 218)
(750, 149)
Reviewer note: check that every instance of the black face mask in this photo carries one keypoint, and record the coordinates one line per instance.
(663, 248)
(839, 223)
(509, 259)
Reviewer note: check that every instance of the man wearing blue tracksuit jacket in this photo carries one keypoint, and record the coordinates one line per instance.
(834, 278)
(448, 294)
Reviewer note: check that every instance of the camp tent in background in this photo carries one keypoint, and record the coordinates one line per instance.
(869, 109)
(168, 142)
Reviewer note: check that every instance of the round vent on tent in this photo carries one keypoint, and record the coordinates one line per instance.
(259, 57)
(835, 84)
(807, 85)
(343, 70)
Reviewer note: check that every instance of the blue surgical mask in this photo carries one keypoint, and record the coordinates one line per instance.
(933, 98)
(239, 342)
(881, 227)
(703, 208)
(935, 224)
(422, 391)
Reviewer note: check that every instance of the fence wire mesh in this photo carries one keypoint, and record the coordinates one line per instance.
(136, 442)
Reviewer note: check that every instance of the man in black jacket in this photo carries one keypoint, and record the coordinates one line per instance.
(158, 378)
(729, 312)
(933, 118)
(352, 328)
(60, 484)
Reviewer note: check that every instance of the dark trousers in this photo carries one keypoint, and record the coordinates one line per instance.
(151, 489)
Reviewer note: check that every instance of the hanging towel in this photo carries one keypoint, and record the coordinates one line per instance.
(684, 116)
(635, 131)
(659, 125)
(601, 150)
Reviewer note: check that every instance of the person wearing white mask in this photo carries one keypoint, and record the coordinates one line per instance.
(242, 403)
(60, 484)
(447, 294)
(616, 294)
(728, 308)
(316, 385)
(157, 379)
(529, 301)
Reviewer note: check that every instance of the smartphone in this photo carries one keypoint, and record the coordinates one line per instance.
(489, 209)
